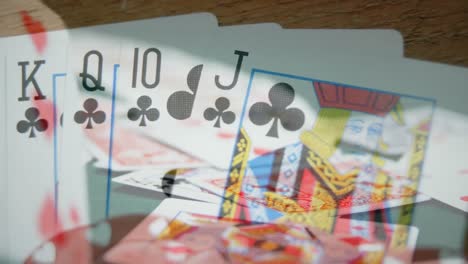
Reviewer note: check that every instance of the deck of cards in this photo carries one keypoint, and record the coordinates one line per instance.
(261, 138)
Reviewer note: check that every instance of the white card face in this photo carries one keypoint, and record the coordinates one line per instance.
(32, 141)
(99, 55)
(3, 152)
(447, 174)
(83, 109)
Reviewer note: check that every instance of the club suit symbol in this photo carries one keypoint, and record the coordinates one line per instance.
(180, 103)
(220, 113)
(143, 111)
(90, 115)
(32, 122)
(281, 95)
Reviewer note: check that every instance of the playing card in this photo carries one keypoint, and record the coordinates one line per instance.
(168, 223)
(357, 235)
(135, 151)
(319, 185)
(171, 208)
(391, 234)
(163, 241)
(154, 224)
(171, 183)
(38, 73)
(94, 68)
(31, 129)
(289, 103)
(285, 243)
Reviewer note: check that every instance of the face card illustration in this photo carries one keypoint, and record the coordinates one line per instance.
(31, 129)
(410, 116)
(312, 176)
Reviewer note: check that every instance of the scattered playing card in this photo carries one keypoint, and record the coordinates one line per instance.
(135, 151)
(161, 181)
(165, 233)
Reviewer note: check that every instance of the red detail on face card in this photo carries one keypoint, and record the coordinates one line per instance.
(36, 30)
(307, 188)
(355, 240)
(261, 151)
(464, 198)
(358, 228)
(464, 171)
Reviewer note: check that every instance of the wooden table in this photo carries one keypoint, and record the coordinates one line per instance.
(432, 29)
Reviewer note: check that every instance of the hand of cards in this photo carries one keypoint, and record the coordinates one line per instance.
(263, 123)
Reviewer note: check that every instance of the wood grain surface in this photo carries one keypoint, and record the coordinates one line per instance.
(435, 30)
